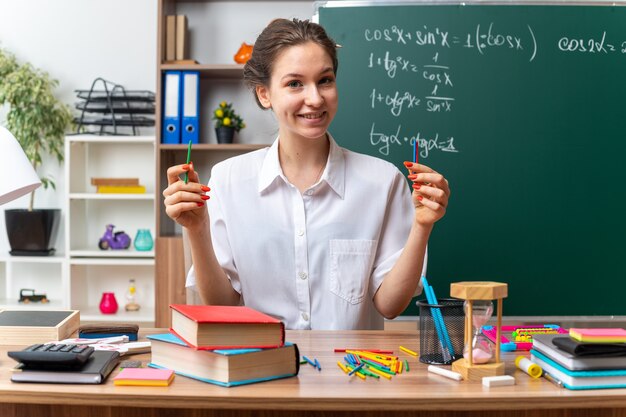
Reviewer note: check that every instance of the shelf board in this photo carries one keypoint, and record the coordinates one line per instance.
(142, 316)
(108, 196)
(118, 261)
(110, 139)
(211, 71)
(216, 147)
(58, 258)
(13, 304)
(108, 254)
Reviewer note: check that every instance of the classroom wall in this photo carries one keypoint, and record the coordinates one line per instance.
(76, 41)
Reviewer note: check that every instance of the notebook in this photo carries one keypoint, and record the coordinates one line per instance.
(544, 344)
(95, 371)
(594, 349)
(579, 380)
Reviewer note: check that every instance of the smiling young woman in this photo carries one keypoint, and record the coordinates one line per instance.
(306, 231)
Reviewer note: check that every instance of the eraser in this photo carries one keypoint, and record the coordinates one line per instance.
(130, 364)
(444, 372)
(498, 381)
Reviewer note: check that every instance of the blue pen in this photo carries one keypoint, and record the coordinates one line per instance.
(442, 325)
(442, 331)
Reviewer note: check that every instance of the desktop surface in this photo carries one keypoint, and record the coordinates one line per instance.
(313, 392)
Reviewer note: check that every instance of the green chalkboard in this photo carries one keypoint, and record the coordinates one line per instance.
(523, 108)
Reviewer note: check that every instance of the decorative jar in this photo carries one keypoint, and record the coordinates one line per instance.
(108, 303)
(143, 240)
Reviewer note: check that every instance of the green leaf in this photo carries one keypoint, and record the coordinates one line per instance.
(37, 119)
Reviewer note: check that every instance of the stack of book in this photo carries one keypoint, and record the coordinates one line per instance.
(118, 185)
(583, 360)
(225, 345)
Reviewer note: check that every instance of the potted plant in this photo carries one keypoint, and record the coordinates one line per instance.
(39, 122)
(227, 122)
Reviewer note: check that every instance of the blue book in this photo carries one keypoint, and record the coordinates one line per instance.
(579, 380)
(224, 367)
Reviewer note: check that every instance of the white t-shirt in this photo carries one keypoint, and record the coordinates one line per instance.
(315, 259)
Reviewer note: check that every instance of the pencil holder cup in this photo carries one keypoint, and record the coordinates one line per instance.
(442, 328)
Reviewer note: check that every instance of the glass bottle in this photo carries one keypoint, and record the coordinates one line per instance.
(482, 352)
(143, 240)
(130, 297)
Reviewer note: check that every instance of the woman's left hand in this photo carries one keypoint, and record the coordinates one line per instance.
(430, 193)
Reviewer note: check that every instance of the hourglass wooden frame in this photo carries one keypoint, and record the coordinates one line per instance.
(474, 291)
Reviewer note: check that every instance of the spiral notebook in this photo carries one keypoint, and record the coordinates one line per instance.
(544, 344)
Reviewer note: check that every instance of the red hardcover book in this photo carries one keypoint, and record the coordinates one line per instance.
(226, 327)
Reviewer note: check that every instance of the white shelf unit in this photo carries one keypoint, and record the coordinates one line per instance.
(93, 276)
(92, 271)
(44, 274)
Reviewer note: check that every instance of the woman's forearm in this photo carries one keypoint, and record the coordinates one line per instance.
(399, 285)
(213, 285)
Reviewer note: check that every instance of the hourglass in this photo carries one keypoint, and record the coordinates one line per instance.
(476, 362)
(481, 351)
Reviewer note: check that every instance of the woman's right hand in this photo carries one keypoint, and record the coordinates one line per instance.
(184, 203)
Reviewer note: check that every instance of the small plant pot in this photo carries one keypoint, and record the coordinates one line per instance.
(32, 233)
(225, 134)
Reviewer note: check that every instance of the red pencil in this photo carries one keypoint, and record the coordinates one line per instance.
(364, 350)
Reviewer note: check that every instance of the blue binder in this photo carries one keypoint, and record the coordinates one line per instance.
(172, 82)
(191, 92)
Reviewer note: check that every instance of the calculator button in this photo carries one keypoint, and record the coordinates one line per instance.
(56, 348)
(34, 347)
(57, 355)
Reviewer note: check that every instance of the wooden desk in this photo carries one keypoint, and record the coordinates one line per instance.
(326, 393)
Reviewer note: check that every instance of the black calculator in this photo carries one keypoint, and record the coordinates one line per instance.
(53, 354)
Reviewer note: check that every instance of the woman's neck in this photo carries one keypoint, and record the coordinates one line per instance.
(303, 160)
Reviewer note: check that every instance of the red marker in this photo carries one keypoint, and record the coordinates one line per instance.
(364, 350)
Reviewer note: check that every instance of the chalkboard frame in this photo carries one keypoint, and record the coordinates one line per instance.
(443, 290)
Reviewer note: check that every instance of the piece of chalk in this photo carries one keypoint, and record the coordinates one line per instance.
(498, 381)
(528, 366)
(444, 372)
